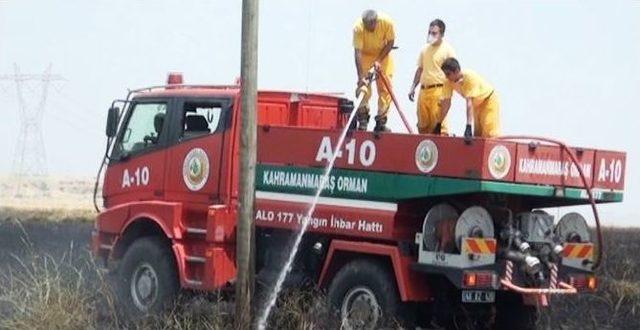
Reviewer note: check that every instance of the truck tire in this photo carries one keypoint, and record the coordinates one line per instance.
(511, 313)
(364, 295)
(147, 281)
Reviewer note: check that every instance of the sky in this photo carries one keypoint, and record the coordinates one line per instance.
(563, 69)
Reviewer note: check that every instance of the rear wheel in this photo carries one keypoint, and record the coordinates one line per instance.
(365, 295)
(147, 278)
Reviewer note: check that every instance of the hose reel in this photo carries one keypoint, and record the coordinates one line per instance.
(573, 228)
(438, 218)
(444, 230)
(475, 221)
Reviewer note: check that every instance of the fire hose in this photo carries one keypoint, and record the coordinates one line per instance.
(373, 73)
(387, 85)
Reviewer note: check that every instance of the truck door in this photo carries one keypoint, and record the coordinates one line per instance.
(136, 166)
(195, 160)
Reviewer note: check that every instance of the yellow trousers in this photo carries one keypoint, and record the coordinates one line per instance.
(384, 97)
(486, 117)
(429, 111)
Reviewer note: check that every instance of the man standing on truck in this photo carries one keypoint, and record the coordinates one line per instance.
(431, 79)
(483, 106)
(373, 39)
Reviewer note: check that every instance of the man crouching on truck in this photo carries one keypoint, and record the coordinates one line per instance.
(373, 39)
(483, 106)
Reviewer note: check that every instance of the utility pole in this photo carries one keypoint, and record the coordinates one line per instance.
(245, 238)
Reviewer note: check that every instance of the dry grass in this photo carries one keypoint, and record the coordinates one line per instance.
(65, 293)
(616, 304)
(50, 198)
(38, 291)
(45, 293)
(51, 294)
(302, 309)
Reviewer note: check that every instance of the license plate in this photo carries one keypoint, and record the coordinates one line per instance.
(476, 296)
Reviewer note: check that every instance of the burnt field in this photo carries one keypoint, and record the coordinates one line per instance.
(48, 280)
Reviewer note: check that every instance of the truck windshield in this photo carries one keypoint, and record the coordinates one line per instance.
(143, 129)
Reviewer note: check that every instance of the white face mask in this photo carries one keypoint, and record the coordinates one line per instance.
(431, 39)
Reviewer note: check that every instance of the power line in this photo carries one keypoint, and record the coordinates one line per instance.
(70, 111)
(72, 124)
(73, 103)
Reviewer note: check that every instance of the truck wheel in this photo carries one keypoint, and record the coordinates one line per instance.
(511, 313)
(147, 278)
(364, 294)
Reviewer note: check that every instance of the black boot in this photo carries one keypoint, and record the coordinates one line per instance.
(381, 124)
(363, 120)
(353, 124)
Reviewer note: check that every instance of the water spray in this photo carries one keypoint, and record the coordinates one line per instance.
(262, 321)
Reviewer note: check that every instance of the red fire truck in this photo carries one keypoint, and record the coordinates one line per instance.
(407, 225)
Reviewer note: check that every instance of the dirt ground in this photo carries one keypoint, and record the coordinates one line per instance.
(50, 216)
(22, 238)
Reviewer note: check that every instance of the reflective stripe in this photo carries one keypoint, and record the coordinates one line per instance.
(479, 245)
(342, 202)
(578, 250)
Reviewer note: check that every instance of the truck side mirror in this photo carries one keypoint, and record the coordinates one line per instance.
(112, 122)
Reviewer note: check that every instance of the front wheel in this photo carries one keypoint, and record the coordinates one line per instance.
(147, 278)
(364, 294)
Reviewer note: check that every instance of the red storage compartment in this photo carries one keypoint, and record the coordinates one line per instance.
(273, 113)
(310, 115)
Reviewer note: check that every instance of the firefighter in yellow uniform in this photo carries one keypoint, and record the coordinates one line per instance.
(373, 39)
(431, 79)
(483, 106)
